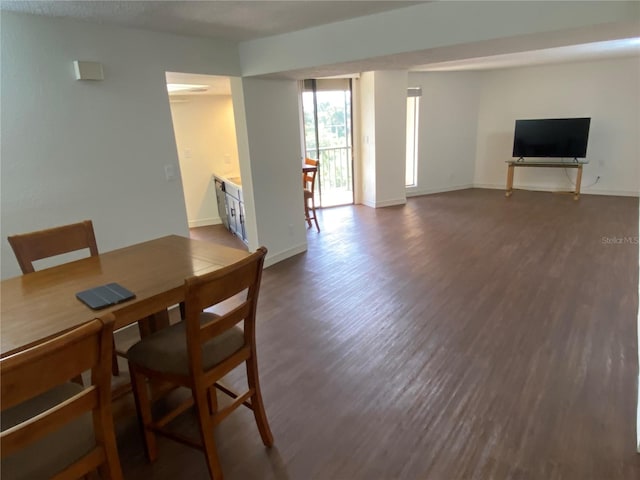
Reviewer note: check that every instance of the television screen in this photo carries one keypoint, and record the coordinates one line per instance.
(551, 137)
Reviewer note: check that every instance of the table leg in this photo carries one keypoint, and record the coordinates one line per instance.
(509, 191)
(153, 323)
(146, 326)
(576, 194)
(160, 320)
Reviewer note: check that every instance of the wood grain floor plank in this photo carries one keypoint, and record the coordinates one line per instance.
(461, 336)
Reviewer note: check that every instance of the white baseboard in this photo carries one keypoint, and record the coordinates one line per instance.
(392, 202)
(204, 222)
(385, 203)
(546, 188)
(272, 259)
(428, 191)
(494, 186)
(615, 193)
(535, 188)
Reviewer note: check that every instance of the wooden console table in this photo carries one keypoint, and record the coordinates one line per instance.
(513, 164)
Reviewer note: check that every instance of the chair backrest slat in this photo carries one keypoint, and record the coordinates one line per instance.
(16, 438)
(309, 178)
(311, 162)
(49, 365)
(208, 290)
(225, 322)
(213, 288)
(29, 247)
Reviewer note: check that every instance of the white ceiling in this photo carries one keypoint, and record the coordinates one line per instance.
(230, 20)
(245, 20)
(572, 53)
(214, 85)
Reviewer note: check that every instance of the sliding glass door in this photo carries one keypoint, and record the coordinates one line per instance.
(326, 105)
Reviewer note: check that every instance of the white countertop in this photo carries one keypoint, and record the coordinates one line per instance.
(236, 181)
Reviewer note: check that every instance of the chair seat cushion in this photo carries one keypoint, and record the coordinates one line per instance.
(166, 350)
(54, 452)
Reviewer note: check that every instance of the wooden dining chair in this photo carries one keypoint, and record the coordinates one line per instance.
(309, 186)
(199, 351)
(50, 427)
(38, 245)
(29, 247)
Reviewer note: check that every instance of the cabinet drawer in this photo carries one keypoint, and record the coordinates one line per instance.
(233, 191)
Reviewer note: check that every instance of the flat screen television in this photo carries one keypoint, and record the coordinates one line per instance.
(551, 137)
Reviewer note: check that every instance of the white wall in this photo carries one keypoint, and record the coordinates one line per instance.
(391, 137)
(76, 149)
(269, 147)
(368, 137)
(205, 135)
(383, 97)
(480, 29)
(447, 128)
(608, 91)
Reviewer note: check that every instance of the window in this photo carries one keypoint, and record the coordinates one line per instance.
(413, 109)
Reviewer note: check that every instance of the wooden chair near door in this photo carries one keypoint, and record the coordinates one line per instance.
(309, 173)
(52, 428)
(38, 245)
(199, 351)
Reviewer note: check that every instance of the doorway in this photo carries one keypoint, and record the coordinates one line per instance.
(205, 134)
(328, 137)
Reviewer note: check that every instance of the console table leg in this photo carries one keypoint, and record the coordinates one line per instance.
(509, 181)
(576, 194)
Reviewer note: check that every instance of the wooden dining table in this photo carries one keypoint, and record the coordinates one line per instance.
(43, 304)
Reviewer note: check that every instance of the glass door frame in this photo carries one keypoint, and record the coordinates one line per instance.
(349, 147)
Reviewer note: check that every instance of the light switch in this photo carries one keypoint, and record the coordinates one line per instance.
(170, 172)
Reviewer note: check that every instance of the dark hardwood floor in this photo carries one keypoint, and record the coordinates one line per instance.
(217, 234)
(462, 336)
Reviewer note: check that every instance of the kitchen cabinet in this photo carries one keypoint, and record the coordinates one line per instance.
(231, 206)
(222, 201)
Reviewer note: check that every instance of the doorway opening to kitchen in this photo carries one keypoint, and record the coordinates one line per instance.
(205, 135)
